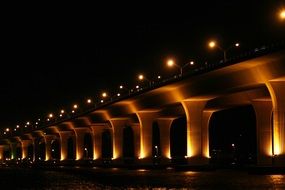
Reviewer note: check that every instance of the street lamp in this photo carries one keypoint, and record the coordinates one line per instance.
(124, 88)
(142, 77)
(213, 44)
(171, 63)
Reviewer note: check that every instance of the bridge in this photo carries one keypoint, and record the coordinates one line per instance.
(138, 128)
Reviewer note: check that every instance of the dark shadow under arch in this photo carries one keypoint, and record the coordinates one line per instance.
(70, 149)
(41, 150)
(30, 155)
(178, 140)
(55, 149)
(156, 148)
(128, 144)
(232, 137)
(88, 146)
(107, 145)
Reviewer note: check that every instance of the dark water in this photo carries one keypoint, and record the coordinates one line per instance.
(136, 179)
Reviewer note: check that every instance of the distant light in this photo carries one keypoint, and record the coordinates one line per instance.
(39, 119)
(158, 76)
(4, 132)
(7, 129)
(61, 111)
(17, 126)
(140, 77)
(75, 106)
(89, 101)
(15, 129)
(50, 115)
(37, 123)
(60, 115)
(104, 94)
(102, 101)
(212, 44)
(25, 126)
(72, 111)
(233, 145)
(191, 62)
(237, 44)
(85, 148)
(118, 94)
(170, 62)
(47, 119)
(282, 14)
(137, 86)
(28, 123)
(121, 87)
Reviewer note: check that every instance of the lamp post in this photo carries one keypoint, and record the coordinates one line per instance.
(213, 44)
(171, 63)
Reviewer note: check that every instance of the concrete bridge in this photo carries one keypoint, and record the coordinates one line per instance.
(138, 128)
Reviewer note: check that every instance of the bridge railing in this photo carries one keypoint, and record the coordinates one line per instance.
(207, 67)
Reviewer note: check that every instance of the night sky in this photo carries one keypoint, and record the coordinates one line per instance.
(54, 56)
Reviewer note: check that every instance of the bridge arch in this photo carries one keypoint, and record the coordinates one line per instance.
(31, 152)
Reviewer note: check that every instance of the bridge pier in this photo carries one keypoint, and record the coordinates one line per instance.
(277, 93)
(263, 112)
(64, 135)
(25, 145)
(2, 150)
(164, 125)
(197, 132)
(97, 130)
(79, 137)
(146, 119)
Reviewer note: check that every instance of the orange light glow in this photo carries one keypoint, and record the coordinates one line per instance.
(75, 106)
(104, 94)
(170, 62)
(212, 44)
(140, 77)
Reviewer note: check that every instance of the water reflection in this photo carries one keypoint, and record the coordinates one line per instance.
(115, 178)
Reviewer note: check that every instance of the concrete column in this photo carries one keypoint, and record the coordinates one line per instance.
(164, 125)
(2, 150)
(79, 137)
(13, 147)
(25, 145)
(277, 93)
(48, 140)
(263, 112)
(64, 135)
(197, 135)
(118, 126)
(146, 119)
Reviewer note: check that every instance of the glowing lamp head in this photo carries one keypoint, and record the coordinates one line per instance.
(158, 77)
(140, 77)
(104, 94)
(50, 115)
(118, 94)
(89, 101)
(191, 62)
(121, 87)
(7, 129)
(61, 111)
(102, 101)
(212, 44)
(17, 126)
(137, 87)
(237, 44)
(170, 63)
(75, 106)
